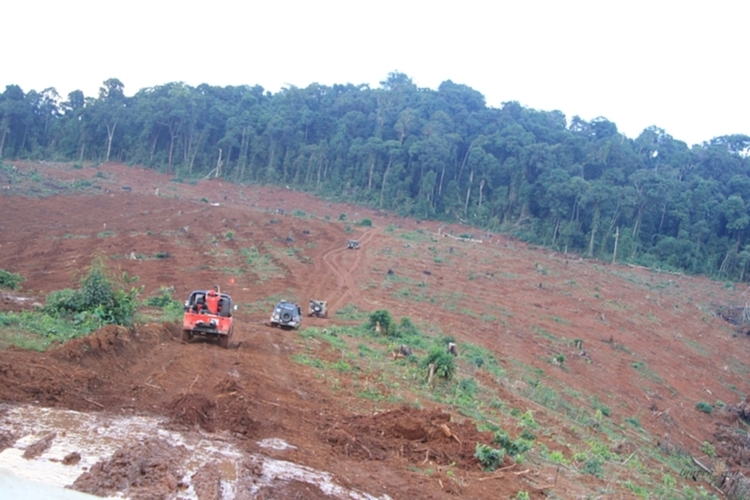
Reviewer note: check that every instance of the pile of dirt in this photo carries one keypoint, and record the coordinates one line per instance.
(226, 411)
(71, 374)
(192, 410)
(293, 489)
(113, 342)
(6, 440)
(733, 444)
(35, 449)
(207, 482)
(28, 377)
(236, 417)
(417, 435)
(139, 471)
(228, 386)
(72, 458)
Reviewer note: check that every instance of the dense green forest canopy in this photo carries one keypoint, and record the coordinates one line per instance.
(576, 186)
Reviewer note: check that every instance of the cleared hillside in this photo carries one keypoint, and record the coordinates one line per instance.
(621, 374)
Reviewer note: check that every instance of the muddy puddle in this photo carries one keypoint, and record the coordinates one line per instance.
(135, 458)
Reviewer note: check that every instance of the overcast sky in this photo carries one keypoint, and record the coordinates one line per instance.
(682, 66)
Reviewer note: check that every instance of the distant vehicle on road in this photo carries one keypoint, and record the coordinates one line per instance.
(286, 315)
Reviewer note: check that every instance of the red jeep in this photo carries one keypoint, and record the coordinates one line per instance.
(208, 313)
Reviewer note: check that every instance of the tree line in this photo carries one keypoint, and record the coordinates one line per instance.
(575, 186)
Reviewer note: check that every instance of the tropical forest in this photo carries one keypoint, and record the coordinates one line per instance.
(575, 186)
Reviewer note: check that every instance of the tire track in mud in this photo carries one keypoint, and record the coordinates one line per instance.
(346, 286)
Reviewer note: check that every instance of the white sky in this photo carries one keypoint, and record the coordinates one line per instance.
(682, 66)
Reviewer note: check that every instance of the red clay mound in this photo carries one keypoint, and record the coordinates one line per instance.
(36, 449)
(6, 440)
(78, 375)
(192, 410)
(113, 342)
(293, 489)
(417, 435)
(140, 471)
(207, 482)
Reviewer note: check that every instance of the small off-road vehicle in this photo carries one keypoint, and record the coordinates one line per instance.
(318, 308)
(208, 314)
(286, 315)
(352, 245)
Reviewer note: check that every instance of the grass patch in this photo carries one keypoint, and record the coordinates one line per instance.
(303, 359)
(350, 312)
(35, 330)
(646, 372)
(267, 304)
(261, 264)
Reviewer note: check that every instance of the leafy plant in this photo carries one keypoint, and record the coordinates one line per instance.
(704, 407)
(444, 362)
(35, 330)
(384, 319)
(490, 458)
(591, 465)
(514, 448)
(98, 295)
(161, 299)
(708, 449)
(10, 280)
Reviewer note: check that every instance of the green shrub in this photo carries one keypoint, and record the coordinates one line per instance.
(708, 449)
(407, 329)
(704, 407)
(385, 319)
(64, 302)
(445, 363)
(593, 466)
(514, 448)
(163, 298)
(489, 457)
(98, 296)
(527, 420)
(365, 222)
(10, 280)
